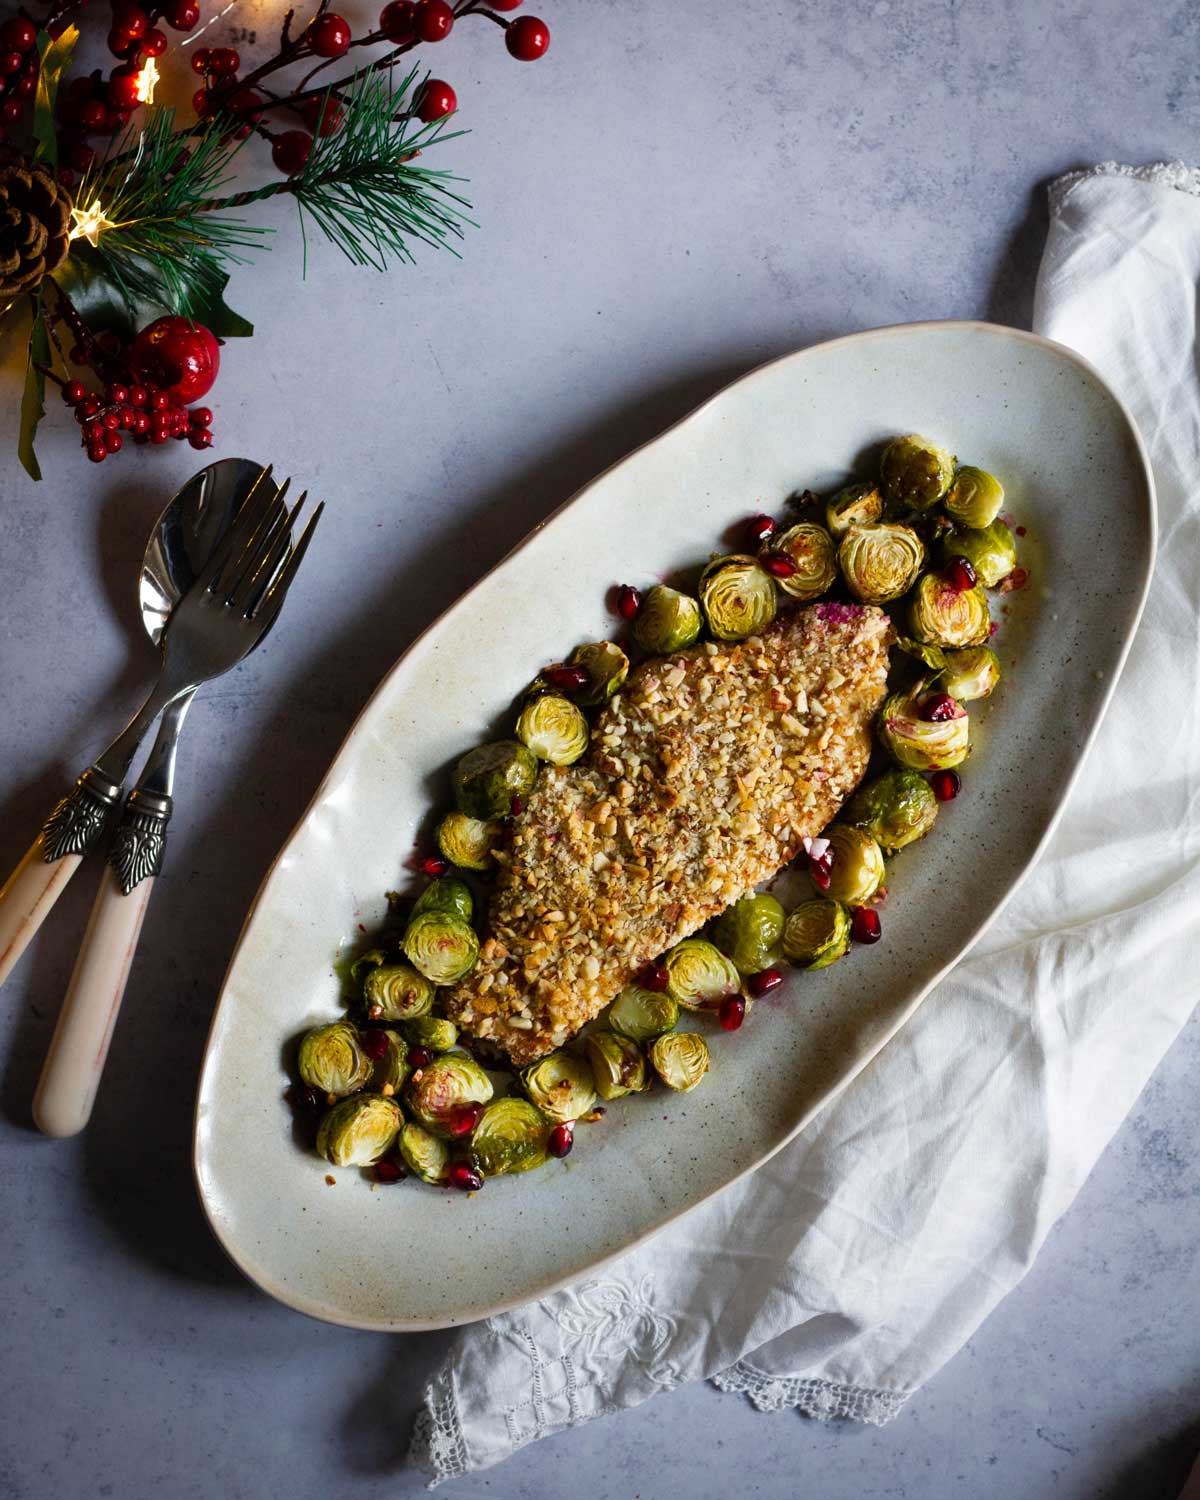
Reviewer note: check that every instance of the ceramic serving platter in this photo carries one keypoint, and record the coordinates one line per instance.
(412, 1257)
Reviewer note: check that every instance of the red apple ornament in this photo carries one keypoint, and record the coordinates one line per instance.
(180, 357)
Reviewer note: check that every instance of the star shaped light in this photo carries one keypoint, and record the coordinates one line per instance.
(89, 222)
(146, 80)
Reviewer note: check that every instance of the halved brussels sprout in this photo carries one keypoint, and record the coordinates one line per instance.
(748, 931)
(642, 1014)
(424, 1154)
(433, 1032)
(814, 553)
(816, 933)
(554, 729)
(468, 842)
(879, 563)
(365, 962)
(941, 615)
(915, 473)
(441, 946)
(737, 596)
(607, 667)
(856, 505)
(332, 1059)
(561, 1086)
(970, 674)
(510, 1137)
(990, 551)
(357, 1132)
(392, 1068)
(932, 656)
(438, 1091)
(896, 808)
(856, 871)
(699, 974)
(924, 744)
(618, 1066)
(680, 1059)
(447, 893)
(487, 779)
(396, 992)
(975, 497)
(667, 621)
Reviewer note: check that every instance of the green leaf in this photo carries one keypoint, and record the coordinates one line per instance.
(55, 60)
(218, 317)
(33, 401)
(101, 305)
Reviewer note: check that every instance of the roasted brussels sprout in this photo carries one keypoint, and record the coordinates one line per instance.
(699, 974)
(607, 667)
(561, 1086)
(856, 505)
(441, 946)
(814, 553)
(748, 931)
(975, 497)
(737, 597)
(991, 551)
(680, 1059)
(391, 1066)
(432, 1032)
(816, 933)
(879, 563)
(424, 1154)
(942, 615)
(914, 736)
(554, 729)
(914, 473)
(618, 1066)
(931, 656)
(667, 621)
(468, 842)
(332, 1059)
(396, 992)
(510, 1137)
(642, 1014)
(438, 1091)
(896, 808)
(447, 893)
(970, 674)
(358, 1131)
(365, 962)
(856, 870)
(487, 779)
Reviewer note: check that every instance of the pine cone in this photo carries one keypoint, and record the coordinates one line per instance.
(35, 214)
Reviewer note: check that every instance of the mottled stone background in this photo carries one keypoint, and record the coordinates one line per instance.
(676, 193)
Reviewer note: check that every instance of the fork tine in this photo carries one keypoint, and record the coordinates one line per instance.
(270, 604)
(255, 506)
(254, 583)
(244, 568)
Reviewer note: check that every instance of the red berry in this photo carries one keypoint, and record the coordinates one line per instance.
(159, 400)
(110, 421)
(137, 395)
(120, 45)
(561, 1139)
(375, 1043)
(568, 679)
(433, 20)
(865, 926)
(464, 1119)
(11, 62)
(419, 1057)
(434, 865)
(435, 101)
(199, 416)
(180, 357)
(131, 19)
(116, 395)
(960, 575)
(89, 406)
(329, 35)
(109, 341)
(112, 441)
(464, 1177)
(98, 453)
(203, 103)
(654, 977)
(225, 60)
(93, 116)
(123, 89)
(732, 1012)
(10, 112)
(26, 86)
(938, 707)
(201, 60)
(398, 21)
(81, 156)
(18, 34)
(946, 785)
(246, 103)
(73, 392)
(778, 565)
(759, 529)
(141, 424)
(628, 601)
(388, 1171)
(290, 151)
(182, 15)
(93, 431)
(764, 982)
(199, 437)
(128, 416)
(159, 435)
(323, 116)
(504, 4)
(66, 177)
(527, 38)
(154, 43)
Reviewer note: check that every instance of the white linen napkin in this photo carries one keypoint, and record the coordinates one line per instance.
(845, 1272)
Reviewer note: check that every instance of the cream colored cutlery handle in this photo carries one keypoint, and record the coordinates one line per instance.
(28, 894)
(71, 1075)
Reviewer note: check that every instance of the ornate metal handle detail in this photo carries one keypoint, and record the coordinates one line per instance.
(78, 820)
(141, 839)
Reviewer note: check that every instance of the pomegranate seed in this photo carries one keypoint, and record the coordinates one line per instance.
(309, 1100)
(960, 575)
(764, 982)
(434, 865)
(629, 601)
(388, 1171)
(946, 785)
(464, 1177)
(515, 807)
(420, 1057)
(732, 1012)
(567, 678)
(464, 1120)
(375, 1044)
(1020, 531)
(654, 977)
(821, 871)
(938, 708)
(865, 925)
(562, 1138)
(778, 565)
(759, 529)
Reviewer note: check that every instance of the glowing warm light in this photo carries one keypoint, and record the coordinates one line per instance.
(88, 224)
(146, 80)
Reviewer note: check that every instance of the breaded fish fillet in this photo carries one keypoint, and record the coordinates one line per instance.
(703, 776)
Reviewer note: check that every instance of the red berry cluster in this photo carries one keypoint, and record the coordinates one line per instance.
(18, 69)
(146, 412)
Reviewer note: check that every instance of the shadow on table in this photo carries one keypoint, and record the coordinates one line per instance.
(1159, 1472)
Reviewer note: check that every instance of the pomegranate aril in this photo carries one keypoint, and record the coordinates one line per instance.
(778, 565)
(759, 529)
(309, 1100)
(821, 871)
(764, 982)
(628, 601)
(865, 926)
(946, 785)
(464, 1120)
(375, 1044)
(434, 865)
(561, 1139)
(464, 1177)
(388, 1171)
(515, 807)
(939, 707)
(732, 1012)
(654, 977)
(959, 574)
(419, 1057)
(569, 679)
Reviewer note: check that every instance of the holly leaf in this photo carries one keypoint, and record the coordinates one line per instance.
(211, 309)
(33, 399)
(103, 304)
(55, 60)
